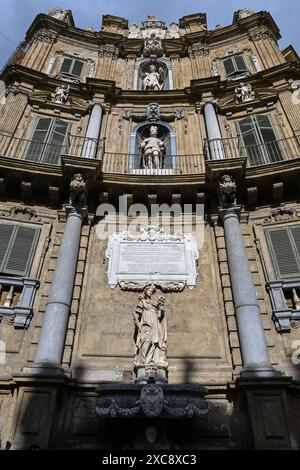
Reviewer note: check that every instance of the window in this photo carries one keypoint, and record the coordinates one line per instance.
(72, 67)
(234, 66)
(17, 248)
(48, 140)
(284, 245)
(258, 140)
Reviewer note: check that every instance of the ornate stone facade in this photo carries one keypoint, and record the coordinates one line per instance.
(149, 227)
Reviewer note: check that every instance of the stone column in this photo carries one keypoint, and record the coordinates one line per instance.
(52, 339)
(255, 354)
(93, 132)
(214, 137)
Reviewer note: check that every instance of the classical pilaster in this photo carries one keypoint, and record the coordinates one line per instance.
(52, 339)
(214, 136)
(93, 132)
(256, 360)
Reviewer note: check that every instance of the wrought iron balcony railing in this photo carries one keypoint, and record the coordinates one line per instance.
(50, 153)
(133, 164)
(258, 154)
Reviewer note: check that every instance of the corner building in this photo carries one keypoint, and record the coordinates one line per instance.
(152, 114)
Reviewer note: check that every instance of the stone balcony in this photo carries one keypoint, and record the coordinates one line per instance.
(16, 300)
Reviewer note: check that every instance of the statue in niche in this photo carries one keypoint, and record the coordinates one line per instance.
(151, 330)
(153, 150)
(153, 80)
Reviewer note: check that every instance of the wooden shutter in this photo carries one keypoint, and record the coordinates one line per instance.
(284, 246)
(66, 66)
(37, 144)
(229, 66)
(77, 68)
(240, 64)
(6, 231)
(55, 142)
(17, 247)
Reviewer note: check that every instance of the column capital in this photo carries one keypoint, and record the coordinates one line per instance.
(73, 210)
(226, 213)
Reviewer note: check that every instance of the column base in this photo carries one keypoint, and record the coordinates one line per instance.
(45, 369)
(259, 371)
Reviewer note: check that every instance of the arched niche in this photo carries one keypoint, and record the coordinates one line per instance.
(142, 65)
(165, 132)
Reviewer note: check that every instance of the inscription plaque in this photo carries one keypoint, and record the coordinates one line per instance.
(152, 256)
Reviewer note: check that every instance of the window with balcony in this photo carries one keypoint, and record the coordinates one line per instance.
(71, 68)
(18, 244)
(48, 141)
(284, 247)
(258, 140)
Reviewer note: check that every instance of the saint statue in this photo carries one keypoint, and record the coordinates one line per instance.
(154, 80)
(153, 150)
(243, 92)
(151, 330)
(62, 94)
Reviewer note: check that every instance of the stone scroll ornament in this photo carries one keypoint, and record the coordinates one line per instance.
(153, 114)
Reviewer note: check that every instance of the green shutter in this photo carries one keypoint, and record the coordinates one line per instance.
(77, 68)
(240, 64)
(6, 231)
(21, 251)
(55, 142)
(66, 66)
(285, 257)
(229, 67)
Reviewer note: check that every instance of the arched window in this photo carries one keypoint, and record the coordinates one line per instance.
(146, 68)
(166, 134)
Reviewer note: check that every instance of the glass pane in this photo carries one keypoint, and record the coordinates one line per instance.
(264, 121)
(229, 67)
(245, 125)
(77, 68)
(271, 144)
(240, 63)
(55, 142)
(66, 66)
(37, 143)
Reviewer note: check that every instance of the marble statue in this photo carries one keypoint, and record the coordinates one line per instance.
(151, 330)
(154, 80)
(245, 12)
(58, 13)
(243, 93)
(78, 190)
(62, 94)
(153, 150)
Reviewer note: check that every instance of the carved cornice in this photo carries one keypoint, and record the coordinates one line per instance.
(282, 214)
(22, 213)
(153, 114)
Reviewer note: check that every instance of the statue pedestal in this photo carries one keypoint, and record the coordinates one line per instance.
(151, 374)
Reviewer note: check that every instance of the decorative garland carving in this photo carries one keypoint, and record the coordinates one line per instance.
(281, 214)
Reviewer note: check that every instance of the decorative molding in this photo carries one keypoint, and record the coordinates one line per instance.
(260, 32)
(152, 404)
(22, 213)
(153, 114)
(198, 50)
(126, 251)
(44, 35)
(108, 50)
(281, 214)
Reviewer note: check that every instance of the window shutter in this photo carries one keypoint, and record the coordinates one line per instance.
(21, 251)
(66, 66)
(284, 255)
(37, 144)
(240, 63)
(55, 142)
(229, 66)
(5, 236)
(77, 68)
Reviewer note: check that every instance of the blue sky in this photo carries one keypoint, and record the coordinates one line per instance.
(17, 15)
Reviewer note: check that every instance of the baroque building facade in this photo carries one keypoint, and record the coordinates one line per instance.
(150, 338)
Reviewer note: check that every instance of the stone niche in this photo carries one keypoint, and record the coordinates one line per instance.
(197, 339)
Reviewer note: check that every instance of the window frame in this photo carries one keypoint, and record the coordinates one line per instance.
(71, 68)
(237, 73)
(273, 256)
